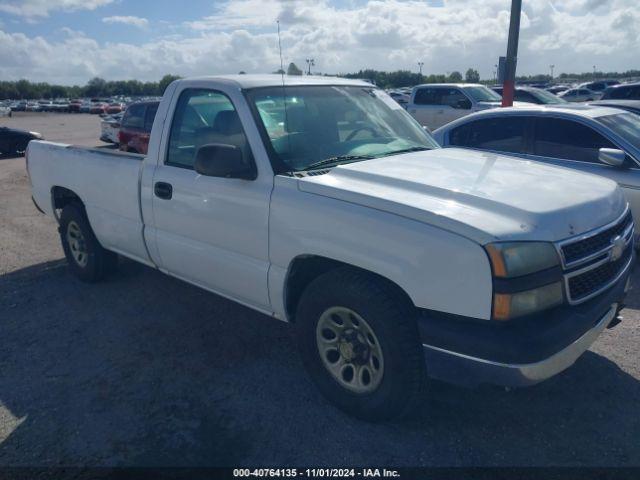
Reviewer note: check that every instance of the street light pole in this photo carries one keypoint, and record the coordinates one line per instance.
(310, 63)
(420, 64)
(552, 67)
(512, 54)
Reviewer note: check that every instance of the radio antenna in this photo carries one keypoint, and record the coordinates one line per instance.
(284, 92)
(280, 49)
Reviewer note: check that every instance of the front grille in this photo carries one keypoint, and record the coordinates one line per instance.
(584, 284)
(584, 248)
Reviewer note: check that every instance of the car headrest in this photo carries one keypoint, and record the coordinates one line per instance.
(227, 122)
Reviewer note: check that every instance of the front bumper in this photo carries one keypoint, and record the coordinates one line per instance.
(522, 352)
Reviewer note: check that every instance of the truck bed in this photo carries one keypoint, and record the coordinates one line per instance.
(108, 183)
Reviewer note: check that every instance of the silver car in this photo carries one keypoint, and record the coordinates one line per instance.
(600, 140)
(579, 94)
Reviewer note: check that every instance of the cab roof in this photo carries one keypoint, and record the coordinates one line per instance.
(274, 80)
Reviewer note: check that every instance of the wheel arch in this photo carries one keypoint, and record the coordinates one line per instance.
(303, 269)
(61, 197)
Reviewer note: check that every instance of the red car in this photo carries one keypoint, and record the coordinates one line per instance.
(115, 107)
(135, 127)
(74, 106)
(98, 108)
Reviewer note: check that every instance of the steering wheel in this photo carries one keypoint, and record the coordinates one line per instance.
(358, 130)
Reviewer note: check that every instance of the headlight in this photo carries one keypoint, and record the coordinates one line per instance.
(518, 259)
(510, 305)
(514, 259)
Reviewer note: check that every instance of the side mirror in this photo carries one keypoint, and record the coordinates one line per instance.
(612, 156)
(220, 160)
(463, 104)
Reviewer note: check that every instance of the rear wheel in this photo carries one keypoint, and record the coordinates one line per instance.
(359, 341)
(87, 259)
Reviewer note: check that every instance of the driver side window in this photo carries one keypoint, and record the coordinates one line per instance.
(454, 98)
(203, 117)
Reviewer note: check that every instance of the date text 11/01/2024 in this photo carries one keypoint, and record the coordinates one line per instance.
(316, 472)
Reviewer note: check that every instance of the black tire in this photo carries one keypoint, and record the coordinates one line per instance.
(99, 261)
(392, 319)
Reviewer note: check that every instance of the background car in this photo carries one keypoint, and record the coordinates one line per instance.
(532, 95)
(98, 108)
(135, 128)
(578, 95)
(74, 106)
(14, 141)
(556, 89)
(401, 97)
(19, 107)
(600, 140)
(632, 106)
(598, 86)
(625, 91)
(110, 127)
(114, 107)
(5, 111)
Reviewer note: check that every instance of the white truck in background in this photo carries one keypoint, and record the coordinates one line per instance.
(436, 104)
(321, 202)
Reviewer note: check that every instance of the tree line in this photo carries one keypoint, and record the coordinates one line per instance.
(99, 87)
(96, 87)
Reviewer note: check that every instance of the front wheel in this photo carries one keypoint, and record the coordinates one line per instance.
(87, 259)
(359, 341)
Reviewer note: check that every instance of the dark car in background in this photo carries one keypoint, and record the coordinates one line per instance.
(599, 86)
(625, 91)
(14, 141)
(135, 128)
(532, 95)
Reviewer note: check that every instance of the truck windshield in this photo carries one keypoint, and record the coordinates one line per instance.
(314, 126)
(482, 94)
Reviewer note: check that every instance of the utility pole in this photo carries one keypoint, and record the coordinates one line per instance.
(551, 67)
(310, 63)
(512, 54)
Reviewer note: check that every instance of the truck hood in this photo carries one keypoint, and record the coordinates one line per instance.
(480, 195)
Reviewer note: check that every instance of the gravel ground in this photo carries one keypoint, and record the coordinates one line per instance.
(145, 370)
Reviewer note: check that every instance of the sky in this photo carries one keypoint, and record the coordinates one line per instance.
(71, 41)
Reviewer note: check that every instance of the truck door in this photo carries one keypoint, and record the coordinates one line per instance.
(211, 231)
(453, 105)
(425, 106)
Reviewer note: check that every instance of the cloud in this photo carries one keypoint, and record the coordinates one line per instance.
(41, 8)
(383, 34)
(127, 20)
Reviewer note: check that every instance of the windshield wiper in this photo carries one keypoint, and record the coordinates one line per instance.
(337, 160)
(406, 150)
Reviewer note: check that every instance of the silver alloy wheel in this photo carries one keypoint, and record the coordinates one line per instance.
(77, 244)
(349, 350)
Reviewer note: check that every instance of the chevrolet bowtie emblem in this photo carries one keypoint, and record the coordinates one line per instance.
(617, 247)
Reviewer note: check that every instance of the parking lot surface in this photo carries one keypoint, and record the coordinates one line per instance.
(145, 370)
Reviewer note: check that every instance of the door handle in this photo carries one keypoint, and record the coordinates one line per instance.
(163, 190)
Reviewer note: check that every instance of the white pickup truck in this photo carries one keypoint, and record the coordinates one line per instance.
(436, 104)
(321, 202)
